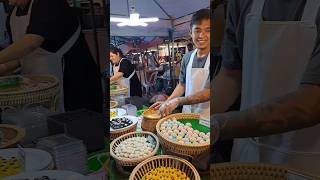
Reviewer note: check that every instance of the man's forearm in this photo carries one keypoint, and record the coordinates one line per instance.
(9, 67)
(296, 110)
(196, 98)
(20, 48)
(178, 91)
(226, 89)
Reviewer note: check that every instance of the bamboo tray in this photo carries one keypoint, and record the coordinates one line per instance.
(255, 171)
(118, 91)
(119, 132)
(113, 104)
(32, 89)
(11, 135)
(133, 161)
(185, 149)
(144, 167)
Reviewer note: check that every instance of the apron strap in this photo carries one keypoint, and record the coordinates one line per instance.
(132, 74)
(257, 7)
(72, 40)
(310, 11)
(207, 65)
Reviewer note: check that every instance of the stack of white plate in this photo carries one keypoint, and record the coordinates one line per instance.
(68, 153)
(56, 175)
(35, 159)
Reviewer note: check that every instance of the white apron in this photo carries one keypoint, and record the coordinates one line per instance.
(195, 82)
(124, 82)
(41, 61)
(275, 57)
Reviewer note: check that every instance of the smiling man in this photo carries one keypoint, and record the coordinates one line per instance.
(194, 80)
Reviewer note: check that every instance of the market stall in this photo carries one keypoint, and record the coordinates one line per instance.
(145, 144)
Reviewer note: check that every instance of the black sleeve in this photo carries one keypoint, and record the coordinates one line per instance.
(126, 68)
(53, 20)
(230, 48)
(312, 72)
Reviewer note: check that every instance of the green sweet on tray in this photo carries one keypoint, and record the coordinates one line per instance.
(196, 125)
(113, 87)
(10, 82)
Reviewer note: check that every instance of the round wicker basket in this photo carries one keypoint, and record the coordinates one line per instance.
(185, 149)
(144, 167)
(119, 91)
(129, 161)
(11, 135)
(117, 133)
(149, 123)
(113, 104)
(254, 171)
(34, 89)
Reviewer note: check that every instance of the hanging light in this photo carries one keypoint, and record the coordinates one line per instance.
(134, 19)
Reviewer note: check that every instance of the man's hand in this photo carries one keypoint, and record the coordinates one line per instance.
(167, 107)
(157, 105)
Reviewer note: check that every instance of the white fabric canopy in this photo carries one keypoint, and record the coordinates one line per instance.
(179, 11)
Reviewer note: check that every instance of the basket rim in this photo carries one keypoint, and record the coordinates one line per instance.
(269, 165)
(20, 134)
(174, 142)
(140, 165)
(133, 160)
(53, 85)
(146, 117)
(125, 128)
(115, 104)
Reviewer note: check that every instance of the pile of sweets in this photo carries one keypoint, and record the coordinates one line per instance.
(183, 133)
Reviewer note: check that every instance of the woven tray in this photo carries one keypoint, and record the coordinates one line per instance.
(132, 162)
(11, 135)
(185, 149)
(113, 104)
(255, 171)
(149, 123)
(119, 91)
(119, 132)
(33, 89)
(165, 161)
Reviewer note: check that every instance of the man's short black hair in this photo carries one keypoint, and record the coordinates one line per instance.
(202, 14)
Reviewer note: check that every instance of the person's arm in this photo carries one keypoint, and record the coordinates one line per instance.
(226, 89)
(178, 91)
(196, 98)
(27, 44)
(116, 77)
(296, 110)
(9, 67)
(180, 88)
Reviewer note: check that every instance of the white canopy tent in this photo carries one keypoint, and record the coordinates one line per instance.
(173, 15)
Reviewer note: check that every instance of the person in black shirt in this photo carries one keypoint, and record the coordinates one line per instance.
(124, 72)
(47, 39)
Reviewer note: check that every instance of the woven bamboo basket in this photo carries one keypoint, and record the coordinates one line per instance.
(119, 91)
(11, 135)
(165, 161)
(117, 133)
(255, 171)
(129, 161)
(113, 104)
(149, 123)
(185, 149)
(34, 89)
